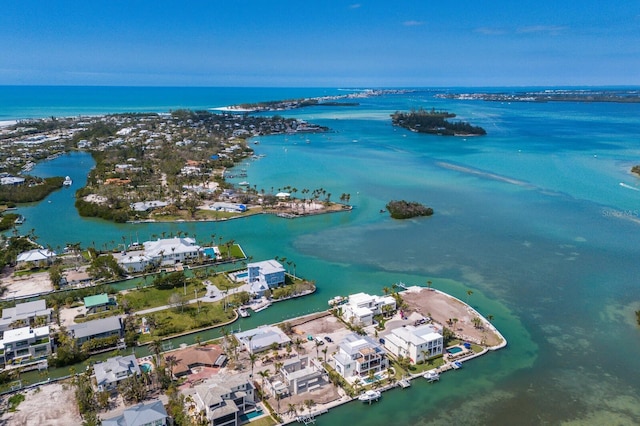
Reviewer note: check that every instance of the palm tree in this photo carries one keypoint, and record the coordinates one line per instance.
(386, 290)
(155, 347)
(292, 409)
(309, 403)
(252, 359)
(171, 361)
(425, 356)
(429, 284)
(264, 374)
(324, 351)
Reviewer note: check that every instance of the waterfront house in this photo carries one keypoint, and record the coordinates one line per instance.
(151, 413)
(11, 180)
(145, 206)
(228, 207)
(198, 356)
(28, 313)
(303, 375)
(25, 345)
(110, 372)
(269, 273)
(224, 398)
(164, 252)
(36, 258)
(262, 338)
(96, 329)
(418, 343)
(76, 278)
(361, 308)
(98, 303)
(170, 251)
(358, 355)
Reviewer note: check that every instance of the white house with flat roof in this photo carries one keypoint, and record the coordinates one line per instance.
(268, 273)
(357, 355)
(418, 343)
(303, 375)
(262, 338)
(24, 344)
(110, 372)
(361, 308)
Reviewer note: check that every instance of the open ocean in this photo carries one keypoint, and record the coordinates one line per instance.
(532, 218)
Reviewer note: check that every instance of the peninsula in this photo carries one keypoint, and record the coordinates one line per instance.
(551, 95)
(333, 101)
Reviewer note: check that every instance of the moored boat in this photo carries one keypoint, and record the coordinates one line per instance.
(431, 376)
(370, 396)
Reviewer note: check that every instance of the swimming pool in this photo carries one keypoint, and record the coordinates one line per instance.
(209, 252)
(376, 377)
(454, 350)
(146, 367)
(252, 415)
(242, 275)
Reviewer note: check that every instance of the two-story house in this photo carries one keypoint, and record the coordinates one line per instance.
(418, 343)
(224, 398)
(24, 345)
(361, 308)
(358, 356)
(110, 372)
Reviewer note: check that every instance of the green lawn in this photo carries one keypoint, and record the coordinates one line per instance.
(180, 319)
(151, 297)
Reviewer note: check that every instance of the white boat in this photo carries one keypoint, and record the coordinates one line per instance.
(243, 313)
(67, 181)
(456, 365)
(244, 183)
(370, 396)
(431, 376)
(261, 308)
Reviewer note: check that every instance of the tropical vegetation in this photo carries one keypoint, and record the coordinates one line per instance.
(404, 209)
(434, 122)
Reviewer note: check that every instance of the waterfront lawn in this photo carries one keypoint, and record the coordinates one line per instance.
(292, 288)
(151, 297)
(264, 421)
(185, 318)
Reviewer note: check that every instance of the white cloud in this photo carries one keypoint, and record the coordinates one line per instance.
(490, 31)
(355, 6)
(544, 29)
(412, 23)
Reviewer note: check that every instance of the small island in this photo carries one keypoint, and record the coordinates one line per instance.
(406, 210)
(636, 170)
(434, 122)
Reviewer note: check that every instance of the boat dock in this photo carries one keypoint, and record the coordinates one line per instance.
(404, 383)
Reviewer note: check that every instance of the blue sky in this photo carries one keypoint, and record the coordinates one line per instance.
(320, 43)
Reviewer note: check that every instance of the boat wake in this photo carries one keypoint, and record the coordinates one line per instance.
(624, 185)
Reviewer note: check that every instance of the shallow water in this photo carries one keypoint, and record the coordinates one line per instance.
(532, 218)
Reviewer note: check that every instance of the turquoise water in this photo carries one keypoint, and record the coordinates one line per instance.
(454, 350)
(209, 252)
(532, 218)
(251, 415)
